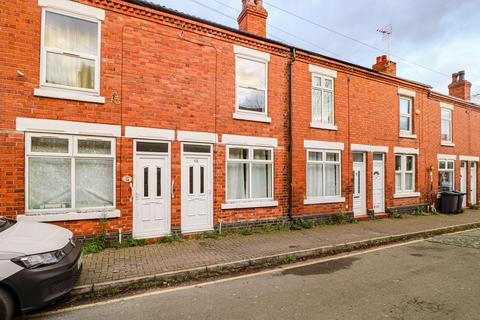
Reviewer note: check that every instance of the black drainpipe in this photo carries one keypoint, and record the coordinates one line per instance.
(290, 136)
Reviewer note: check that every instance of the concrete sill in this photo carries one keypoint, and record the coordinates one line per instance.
(407, 135)
(325, 126)
(406, 195)
(252, 204)
(324, 200)
(67, 95)
(447, 144)
(69, 216)
(251, 117)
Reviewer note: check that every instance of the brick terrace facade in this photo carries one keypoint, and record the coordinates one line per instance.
(164, 70)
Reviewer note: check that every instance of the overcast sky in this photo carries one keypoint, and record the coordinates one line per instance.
(443, 35)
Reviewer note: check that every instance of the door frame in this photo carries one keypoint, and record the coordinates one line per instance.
(364, 204)
(373, 171)
(168, 181)
(210, 194)
(463, 181)
(473, 186)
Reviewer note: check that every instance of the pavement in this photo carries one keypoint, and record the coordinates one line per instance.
(436, 278)
(120, 267)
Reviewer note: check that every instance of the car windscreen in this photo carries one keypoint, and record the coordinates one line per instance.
(5, 224)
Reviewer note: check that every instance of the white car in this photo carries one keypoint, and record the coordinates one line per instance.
(38, 263)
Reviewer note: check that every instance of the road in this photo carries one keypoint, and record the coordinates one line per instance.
(434, 279)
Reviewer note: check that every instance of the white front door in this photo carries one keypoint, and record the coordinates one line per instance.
(151, 196)
(473, 183)
(197, 185)
(378, 183)
(359, 196)
(463, 181)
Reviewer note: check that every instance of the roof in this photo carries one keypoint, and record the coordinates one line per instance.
(162, 8)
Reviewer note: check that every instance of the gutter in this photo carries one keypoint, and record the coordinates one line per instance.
(290, 134)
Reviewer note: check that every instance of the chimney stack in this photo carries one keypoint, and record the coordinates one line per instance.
(460, 87)
(385, 66)
(253, 18)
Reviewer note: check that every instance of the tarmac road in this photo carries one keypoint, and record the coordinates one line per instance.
(434, 279)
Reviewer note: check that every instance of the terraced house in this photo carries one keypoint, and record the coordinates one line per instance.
(160, 123)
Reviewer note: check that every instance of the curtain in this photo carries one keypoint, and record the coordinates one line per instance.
(94, 147)
(315, 180)
(261, 180)
(237, 181)
(70, 71)
(49, 183)
(327, 107)
(332, 179)
(49, 144)
(317, 105)
(93, 183)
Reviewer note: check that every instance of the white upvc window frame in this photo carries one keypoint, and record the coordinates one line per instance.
(403, 171)
(324, 198)
(250, 161)
(82, 12)
(322, 88)
(406, 115)
(250, 115)
(447, 170)
(450, 120)
(72, 154)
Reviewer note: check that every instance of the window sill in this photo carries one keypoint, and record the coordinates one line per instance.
(447, 144)
(407, 135)
(324, 200)
(406, 195)
(252, 204)
(68, 95)
(326, 126)
(69, 216)
(252, 117)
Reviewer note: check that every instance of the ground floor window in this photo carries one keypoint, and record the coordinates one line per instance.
(69, 172)
(404, 173)
(323, 174)
(249, 173)
(446, 175)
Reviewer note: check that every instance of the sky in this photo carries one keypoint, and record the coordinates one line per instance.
(442, 36)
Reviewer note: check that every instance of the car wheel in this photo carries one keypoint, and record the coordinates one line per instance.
(7, 305)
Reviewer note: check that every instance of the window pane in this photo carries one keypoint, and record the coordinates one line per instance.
(251, 99)
(238, 153)
(327, 111)
(405, 106)
(49, 183)
(94, 183)
(409, 163)
(333, 156)
(450, 165)
(378, 156)
(197, 148)
(190, 180)
(145, 182)
(316, 105)
(398, 182)
(251, 73)
(262, 154)
(202, 180)
(94, 147)
(49, 144)
(358, 157)
(152, 147)
(237, 181)
(317, 81)
(315, 156)
(445, 181)
(404, 123)
(159, 182)
(332, 179)
(445, 130)
(398, 163)
(261, 181)
(71, 34)
(314, 180)
(328, 83)
(446, 114)
(70, 71)
(441, 164)
(408, 181)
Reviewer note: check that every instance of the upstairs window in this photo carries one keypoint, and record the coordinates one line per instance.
(251, 75)
(322, 99)
(446, 131)
(406, 106)
(70, 47)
